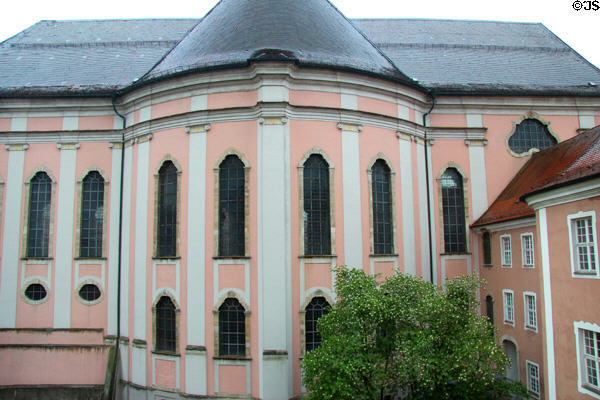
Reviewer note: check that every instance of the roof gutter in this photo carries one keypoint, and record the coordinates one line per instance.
(433, 101)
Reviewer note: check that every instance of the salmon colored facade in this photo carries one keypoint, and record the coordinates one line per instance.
(171, 221)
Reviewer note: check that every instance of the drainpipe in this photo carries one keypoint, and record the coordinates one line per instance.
(432, 94)
(114, 98)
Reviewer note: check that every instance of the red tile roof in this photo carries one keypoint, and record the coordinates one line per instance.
(572, 160)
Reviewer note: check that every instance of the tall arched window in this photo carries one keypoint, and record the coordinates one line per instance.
(453, 206)
(166, 327)
(382, 208)
(232, 328)
(167, 211)
(231, 207)
(317, 307)
(92, 215)
(38, 226)
(317, 224)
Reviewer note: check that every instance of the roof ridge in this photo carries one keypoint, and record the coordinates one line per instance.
(474, 46)
(449, 20)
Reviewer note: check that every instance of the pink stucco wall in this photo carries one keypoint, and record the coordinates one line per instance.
(314, 98)
(377, 106)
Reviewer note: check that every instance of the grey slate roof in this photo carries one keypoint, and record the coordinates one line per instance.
(482, 56)
(308, 32)
(99, 57)
(85, 57)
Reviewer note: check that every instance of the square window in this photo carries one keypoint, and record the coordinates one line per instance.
(527, 250)
(584, 253)
(533, 378)
(529, 301)
(588, 357)
(505, 250)
(509, 307)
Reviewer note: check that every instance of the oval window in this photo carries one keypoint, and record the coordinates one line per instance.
(89, 292)
(35, 292)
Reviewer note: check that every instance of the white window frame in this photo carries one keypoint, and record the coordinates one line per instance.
(533, 379)
(527, 312)
(506, 254)
(580, 327)
(508, 309)
(576, 272)
(525, 252)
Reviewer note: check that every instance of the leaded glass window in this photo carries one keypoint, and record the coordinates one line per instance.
(166, 330)
(317, 235)
(453, 205)
(38, 227)
(530, 134)
(92, 215)
(317, 307)
(232, 328)
(382, 208)
(487, 249)
(167, 210)
(89, 292)
(231, 207)
(35, 292)
(591, 352)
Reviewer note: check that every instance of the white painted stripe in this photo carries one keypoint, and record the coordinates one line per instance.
(195, 374)
(141, 241)
(70, 123)
(18, 124)
(145, 113)
(549, 326)
(10, 239)
(478, 180)
(586, 121)
(125, 240)
(353, 256)
(274, 246)
(422, 189)
(408, 213)
(474, 120)
(196, 240)
(199, 103)
(113, 245)
(138, 363)
(64, 239)
(349, 101)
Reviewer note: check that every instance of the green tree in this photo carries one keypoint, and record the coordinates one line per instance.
(405, 338)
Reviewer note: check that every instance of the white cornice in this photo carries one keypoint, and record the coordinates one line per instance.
(507, 225)
(565, 194)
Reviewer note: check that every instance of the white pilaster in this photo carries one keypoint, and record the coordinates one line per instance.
(11, 235)
(141, 239)
(138, 363)
(64, 236)
(18, 124)
(70, 123)
(349, 101)
(408, 212)
(195, 361)
(353, 255)
(478, 190)
(125, 239)
(274, 264)
(549, 326)
(113, 234)
(586, 121)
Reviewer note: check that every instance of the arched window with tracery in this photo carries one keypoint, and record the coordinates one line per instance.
(232, 328)
(382, 208)
(231, 207)
(453, 205)
(92, 215)
(166, 325)
(38, 225)
(167, 211)
(317, 307)
(317, 224)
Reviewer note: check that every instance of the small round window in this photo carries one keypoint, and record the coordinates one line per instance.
(35, 292)
(89, 292)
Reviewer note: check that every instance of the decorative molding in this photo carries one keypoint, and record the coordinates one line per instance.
(565, 194)
(273, 121)
(16, 147)
(476, 142)
(507, 225)
(350, 127)
(197, 129)
(68, 146)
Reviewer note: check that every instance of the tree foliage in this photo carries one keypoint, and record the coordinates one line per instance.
(405, 338)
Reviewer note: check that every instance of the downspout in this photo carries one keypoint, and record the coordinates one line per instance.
(124, 125)
(432, 93)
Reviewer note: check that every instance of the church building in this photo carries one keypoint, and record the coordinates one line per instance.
(175, 193)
